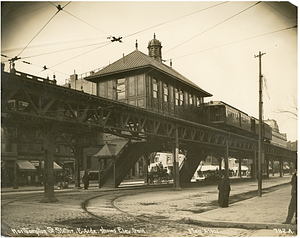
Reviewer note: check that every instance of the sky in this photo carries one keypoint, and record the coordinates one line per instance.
(212, 43)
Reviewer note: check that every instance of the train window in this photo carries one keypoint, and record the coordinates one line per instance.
(166, 92)
(191, 99)
(155, 88)
(121, 88)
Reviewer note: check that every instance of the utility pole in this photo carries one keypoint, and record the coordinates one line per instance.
(260, 138)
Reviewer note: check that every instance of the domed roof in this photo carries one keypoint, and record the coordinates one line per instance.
(154, 41)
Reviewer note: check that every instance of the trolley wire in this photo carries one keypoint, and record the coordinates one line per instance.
(174, 19)
(249, 38)
(85, 22)
(213, 26)
(58, 10)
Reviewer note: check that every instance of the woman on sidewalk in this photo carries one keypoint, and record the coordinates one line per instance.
(293, 203)
(224, 190)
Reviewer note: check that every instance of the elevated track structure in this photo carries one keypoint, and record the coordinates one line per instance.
(38, 110)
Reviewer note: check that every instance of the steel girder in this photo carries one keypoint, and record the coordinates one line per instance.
(31, 101)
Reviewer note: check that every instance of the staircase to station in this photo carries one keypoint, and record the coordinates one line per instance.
(120, 164)
(188, 169)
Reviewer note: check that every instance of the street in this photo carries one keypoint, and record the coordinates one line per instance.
(149, 211)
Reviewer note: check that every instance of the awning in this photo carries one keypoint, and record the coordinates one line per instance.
(25, 165)
(55, 166)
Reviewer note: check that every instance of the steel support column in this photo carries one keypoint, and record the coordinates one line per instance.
(176, 185)
(49, 150)
(78, 161)
(267, 166)
(280, 168)
(16, 185)
(145, 167)
(240, 167)
(226, 158)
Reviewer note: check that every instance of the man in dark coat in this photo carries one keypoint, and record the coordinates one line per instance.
(224, 190)
(293, 202)
(86, 179)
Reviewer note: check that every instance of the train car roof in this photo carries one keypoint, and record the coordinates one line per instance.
(216, 103)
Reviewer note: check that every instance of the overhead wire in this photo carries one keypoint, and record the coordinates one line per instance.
(105, 32)
(213, 27)
(58, 51)
(175, 19)
(135, 32)
(280, 12)
(79, 55)
(236, 42)
(85, 22)
(41, 29)
(21, 15)
(38, 33)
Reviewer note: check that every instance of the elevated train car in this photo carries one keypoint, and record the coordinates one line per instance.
(224, 116)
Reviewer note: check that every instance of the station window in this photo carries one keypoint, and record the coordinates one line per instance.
(166, 92)
(121, 88)
(155, 88)
(110, 89)
(132, 102)
(131, 86)
(140, 85)
(103, 89)
(181, 102)
(141, 103)
(176, 96)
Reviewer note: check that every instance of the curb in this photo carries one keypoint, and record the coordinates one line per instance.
(242, 225)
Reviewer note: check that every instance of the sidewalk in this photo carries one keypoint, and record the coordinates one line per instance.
(189, 206)
(266, 212)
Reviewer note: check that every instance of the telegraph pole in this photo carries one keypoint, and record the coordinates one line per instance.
(260, 138)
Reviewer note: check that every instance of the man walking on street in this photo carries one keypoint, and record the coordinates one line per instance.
(293, 202)
(224, 190)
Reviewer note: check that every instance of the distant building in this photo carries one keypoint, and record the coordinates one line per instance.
(278, 138)
(292, 145)
(77, 82)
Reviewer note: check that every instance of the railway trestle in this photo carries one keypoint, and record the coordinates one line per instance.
(49, 114)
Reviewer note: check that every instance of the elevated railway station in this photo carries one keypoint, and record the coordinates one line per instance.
(140, 99)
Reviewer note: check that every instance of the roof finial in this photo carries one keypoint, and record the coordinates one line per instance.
(136, 44)
(154, 36)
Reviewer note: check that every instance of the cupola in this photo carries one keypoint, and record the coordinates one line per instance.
(154, 49)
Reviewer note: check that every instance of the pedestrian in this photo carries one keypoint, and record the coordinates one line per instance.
(36, 178)
(293, 203)
(86, 179)
(224, 190)
(29, 179)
